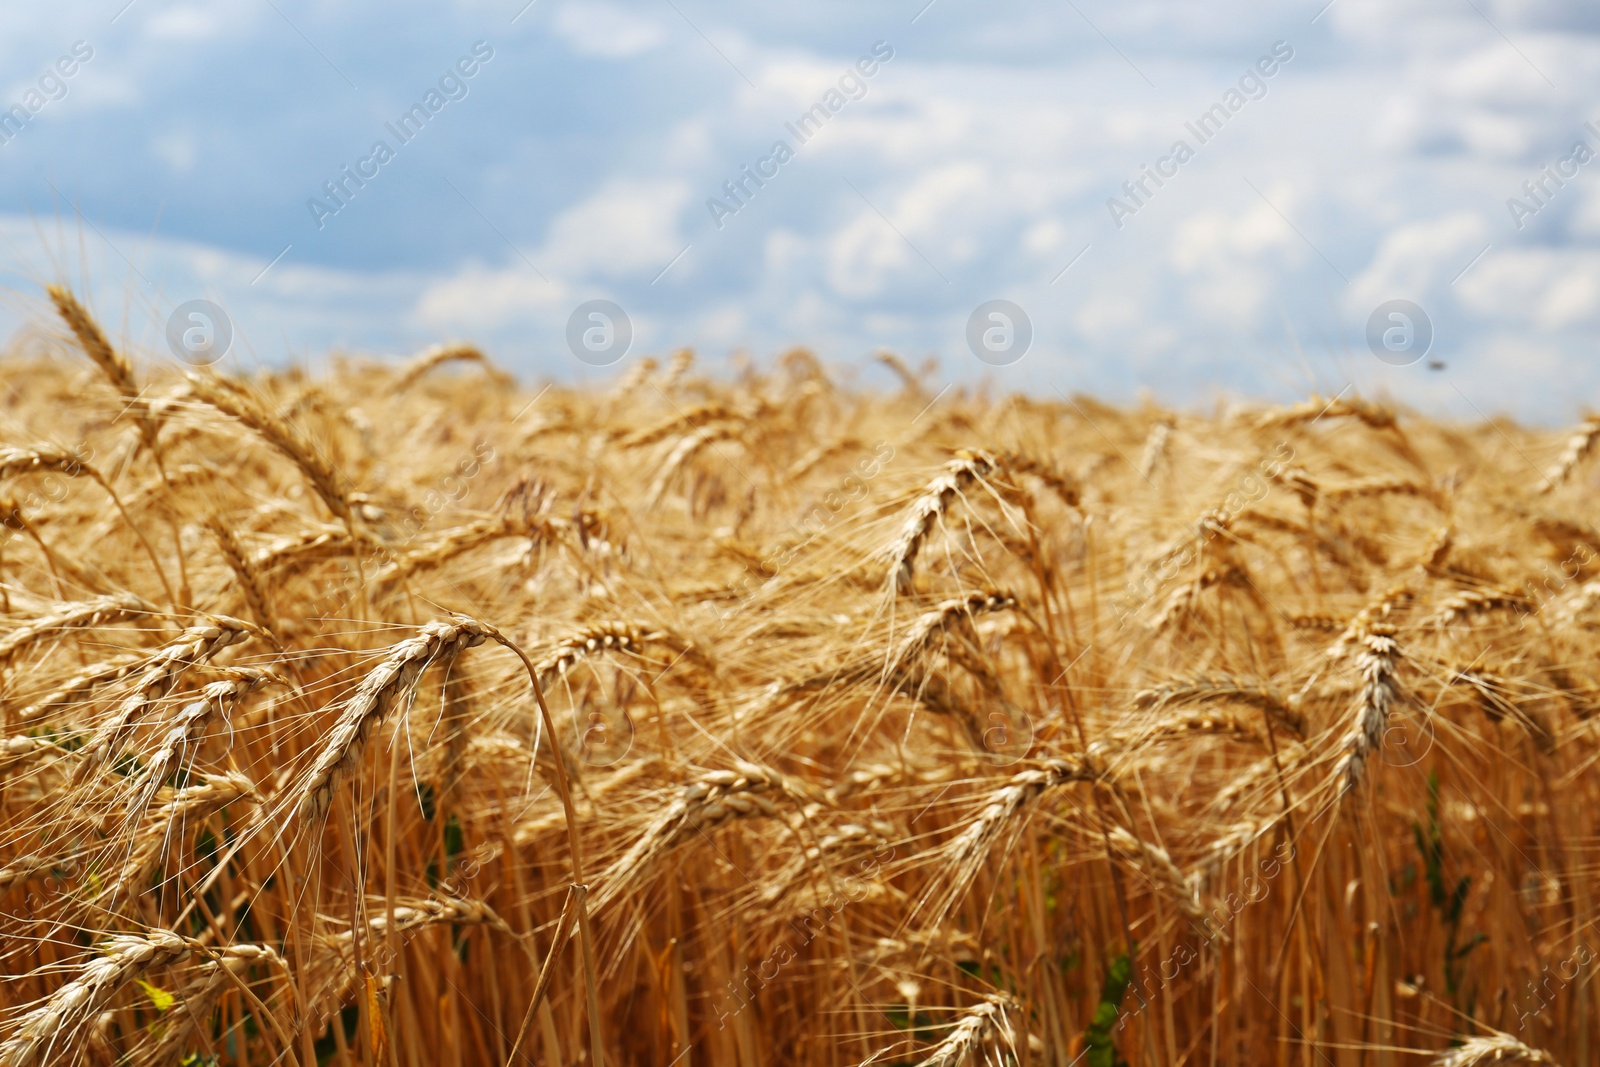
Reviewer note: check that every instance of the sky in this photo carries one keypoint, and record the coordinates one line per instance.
(537, 157)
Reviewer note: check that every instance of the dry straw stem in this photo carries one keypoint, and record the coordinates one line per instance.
(47, 1033)
(230, 398)
(1496, 1048)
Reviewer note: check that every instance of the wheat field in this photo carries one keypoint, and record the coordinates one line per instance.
(405, 715)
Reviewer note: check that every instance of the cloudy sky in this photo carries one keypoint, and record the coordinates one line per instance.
(585, 157)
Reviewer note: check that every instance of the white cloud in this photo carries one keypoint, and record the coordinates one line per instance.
(601, 29)
(626, 227)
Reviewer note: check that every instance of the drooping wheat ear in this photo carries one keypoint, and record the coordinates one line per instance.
(637, 375)
(250, 587)
(288, 555)
(86, 680)
(1308, 411)
(1210, 688)
(682, 420)
(1470, 601)
(1438, 548)
(1582, 599)
(113, 364)
(1064, 486)
(1378, 662)
(186, 727)
(1154, 453)
(897, 366)
(387, 685)
(22, 868)
(1233, 840)
(1389, 601)
(1383, 487)
(682, 360)
(966, 853)
(14, 461)
(833, 849)
(19, 750)
(1495, 695)
(234, 400)
(437, 356)
(1299, 482)
(976, 1027)
(188, 808)
(685, 450)
(598, 638)
(83, 613)
(715, 797)
(1496, 1048)
(42, 459)
(1157, 865)
(196, 644)
(928, 508)
(338, 951)
(47, 1033)
(1578, 446)
(193, 1007)
(955, 612)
